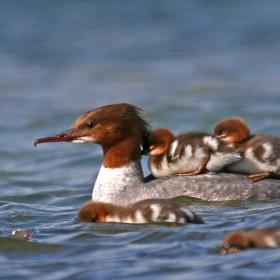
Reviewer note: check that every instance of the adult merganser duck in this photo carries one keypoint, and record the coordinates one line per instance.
(187, 154)
(261, 152)
(146, 211)
(258, 238)
(120, 130)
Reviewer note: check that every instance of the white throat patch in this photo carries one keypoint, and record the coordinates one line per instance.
(82, 140)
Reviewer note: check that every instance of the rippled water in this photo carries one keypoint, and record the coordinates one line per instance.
(187, 64)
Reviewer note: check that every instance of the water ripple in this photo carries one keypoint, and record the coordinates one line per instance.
(187, 64)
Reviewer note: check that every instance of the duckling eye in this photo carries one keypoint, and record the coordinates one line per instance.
(90, 124)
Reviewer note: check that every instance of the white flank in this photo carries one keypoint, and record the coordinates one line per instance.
(188, 151)
(162, 170)
(249, 164)
(270, 242)
(171, 218)
(200, 153)
(156, 209)
(128, 220)
(173, 149)
(182, 220)
(268, 150)
(211, 141)
(250, 154)
(139, 218)
(113, 219)
(261, 166)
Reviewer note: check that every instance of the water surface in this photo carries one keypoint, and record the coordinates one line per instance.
(187, 64)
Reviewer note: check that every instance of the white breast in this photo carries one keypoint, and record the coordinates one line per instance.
(111, 181)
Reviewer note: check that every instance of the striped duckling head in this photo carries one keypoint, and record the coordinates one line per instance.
(233, 130)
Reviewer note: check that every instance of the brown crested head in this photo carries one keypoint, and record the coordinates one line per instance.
(110, 124)
(235, 242)
(118, 128)
(105, 126)
(232, 130)
(93, 212)
(160, 140)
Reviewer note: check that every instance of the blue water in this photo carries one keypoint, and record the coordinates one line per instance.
(187, 64)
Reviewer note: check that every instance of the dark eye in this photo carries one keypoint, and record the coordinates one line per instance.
(90, 124)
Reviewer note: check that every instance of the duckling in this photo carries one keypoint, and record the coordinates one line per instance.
(258, 238)
(187, 154)
(261, 153)
(145, 211)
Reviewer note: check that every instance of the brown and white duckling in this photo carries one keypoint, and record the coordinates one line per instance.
(258, 238)
(261, 153)
(146, 211)
(187, 154)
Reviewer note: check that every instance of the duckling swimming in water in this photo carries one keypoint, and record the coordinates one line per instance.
(145, 211)
(258, 238)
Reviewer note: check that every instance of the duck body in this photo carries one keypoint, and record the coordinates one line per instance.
(210, 187)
